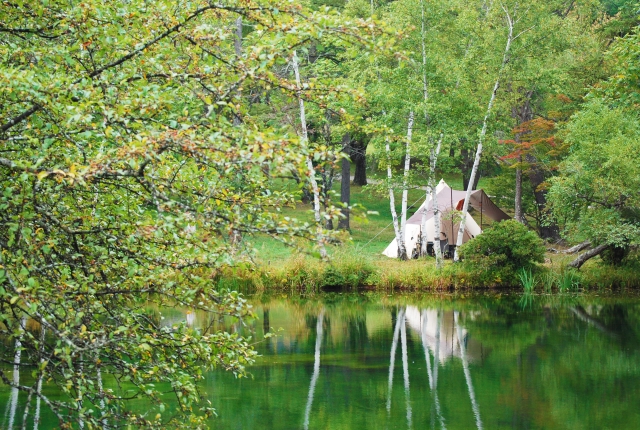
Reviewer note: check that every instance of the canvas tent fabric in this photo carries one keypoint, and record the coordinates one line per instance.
(448, 199)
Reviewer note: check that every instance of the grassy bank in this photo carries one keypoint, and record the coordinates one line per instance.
(350, 272)
(358, 262)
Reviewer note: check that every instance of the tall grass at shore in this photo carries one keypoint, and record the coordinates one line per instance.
(347, 271)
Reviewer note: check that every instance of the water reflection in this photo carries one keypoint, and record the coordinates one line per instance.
(316, 369)
(467, 372)
(363, 362)
(433, 374)
(348, 363)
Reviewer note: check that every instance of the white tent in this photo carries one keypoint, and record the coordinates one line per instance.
(448, 200)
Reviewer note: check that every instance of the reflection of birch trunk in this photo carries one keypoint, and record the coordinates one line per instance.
(316, 369)
(433, 374)
(483, 132)
(405, 370)
(467, 373)
(436, 365)
(13, 398)
(80, 393)
(103, 405)
(310, 168)
(36, 418)
(394, 346)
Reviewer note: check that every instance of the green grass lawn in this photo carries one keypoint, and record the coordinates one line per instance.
(369, 234)
(360, 254)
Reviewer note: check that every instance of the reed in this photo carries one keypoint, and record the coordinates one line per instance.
(527, 279)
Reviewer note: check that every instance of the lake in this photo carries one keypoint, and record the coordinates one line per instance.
(484, 361)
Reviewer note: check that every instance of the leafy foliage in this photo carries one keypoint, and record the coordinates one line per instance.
(126, 188)
(502, 250)
(594, 198)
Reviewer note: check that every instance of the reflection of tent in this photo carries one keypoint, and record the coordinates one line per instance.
(448, 199)
(443, 333)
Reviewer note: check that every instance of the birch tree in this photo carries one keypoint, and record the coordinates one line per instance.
(505, 60)
(311, 170)
(402, 250)
(405, 185)
(430, 194)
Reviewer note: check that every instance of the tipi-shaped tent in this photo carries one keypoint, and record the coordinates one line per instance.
(448, 199)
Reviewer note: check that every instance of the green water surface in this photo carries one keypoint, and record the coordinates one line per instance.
(372, 361)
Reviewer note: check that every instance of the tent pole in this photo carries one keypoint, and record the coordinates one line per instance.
(481, 198)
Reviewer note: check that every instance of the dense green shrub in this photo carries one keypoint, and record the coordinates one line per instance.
(500, 251)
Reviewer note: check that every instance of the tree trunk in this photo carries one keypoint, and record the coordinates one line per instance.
(237, 44)
(359, 157)
(430, 194)
(12, 403)
(579, 247)
(405, 186)
(582, 258)
(327, 173)
(466, 167)
(518, 200)
(483, 132)
(345, 186)
(536, 177)
(36, 417)
(436, 233)
(402, 251)
(522, 114)
(311, 170)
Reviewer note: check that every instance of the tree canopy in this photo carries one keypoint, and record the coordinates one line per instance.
(126, 182)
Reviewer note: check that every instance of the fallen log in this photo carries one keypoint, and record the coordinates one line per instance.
(582, 258)
(579, 247)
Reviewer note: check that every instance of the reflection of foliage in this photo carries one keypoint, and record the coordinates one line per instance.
(544, 367)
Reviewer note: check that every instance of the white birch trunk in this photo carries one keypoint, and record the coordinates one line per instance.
(430, 194)
(425, 83)
(36, 418)
(436, 229)
(15, 392)
(316, 369)
(103, 405)
(311, 170)
(405, 189)
(80, 394)
(483, 132)
(425, 93)
(402, 250)
(237, 45)
(467, 373)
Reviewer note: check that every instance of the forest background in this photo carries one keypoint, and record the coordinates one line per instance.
(152, 151)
